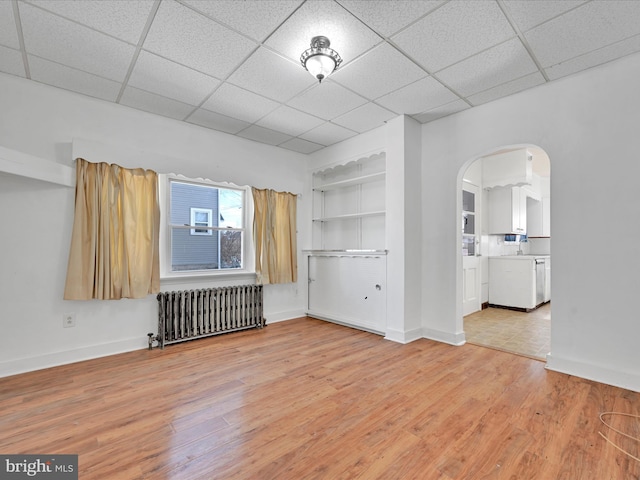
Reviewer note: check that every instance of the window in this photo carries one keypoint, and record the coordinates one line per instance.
(201, 217)
(205, 226)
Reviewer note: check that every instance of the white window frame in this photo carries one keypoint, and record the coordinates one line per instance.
(201, 229)
(248, 256)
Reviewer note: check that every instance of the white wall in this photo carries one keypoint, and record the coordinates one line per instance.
(36, 217)
(588, 126)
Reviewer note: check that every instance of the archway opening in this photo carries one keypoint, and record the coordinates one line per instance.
(505, 250)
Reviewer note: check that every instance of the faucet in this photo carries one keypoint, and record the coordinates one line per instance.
(519, 252)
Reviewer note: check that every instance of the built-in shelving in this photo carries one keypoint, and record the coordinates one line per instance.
(346, 264)
(349, 216)
(349, 205)
(374, 177)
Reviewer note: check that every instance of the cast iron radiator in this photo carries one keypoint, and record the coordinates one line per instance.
(189, 314)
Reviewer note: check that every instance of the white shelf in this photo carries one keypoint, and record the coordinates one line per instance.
(374, 177)
(345, 253)
(349, 216)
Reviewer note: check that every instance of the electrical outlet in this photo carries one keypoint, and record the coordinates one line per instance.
(68, 320)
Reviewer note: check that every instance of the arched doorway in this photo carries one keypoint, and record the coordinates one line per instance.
(505, 243)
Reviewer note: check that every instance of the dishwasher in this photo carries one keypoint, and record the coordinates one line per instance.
(540, 280)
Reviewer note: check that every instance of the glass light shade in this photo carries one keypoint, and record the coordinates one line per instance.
(320, 60)
(320, 66)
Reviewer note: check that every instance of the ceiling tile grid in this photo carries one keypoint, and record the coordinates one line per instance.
(11, 61)
(150, 102)
(172, 80)
(234, 66)
(61, 76)
(123, 20)
(8, 32)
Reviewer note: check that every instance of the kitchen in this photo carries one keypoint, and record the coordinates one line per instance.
(506, 246)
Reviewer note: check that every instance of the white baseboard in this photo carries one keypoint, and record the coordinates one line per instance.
(403, 337)
(275, 317)
(456, 339)
(23, 365)
(597, 373)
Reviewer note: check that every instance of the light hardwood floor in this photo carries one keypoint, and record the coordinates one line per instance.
(307, 399)
(524, 333)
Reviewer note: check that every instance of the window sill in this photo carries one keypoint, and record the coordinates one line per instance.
(198, 277)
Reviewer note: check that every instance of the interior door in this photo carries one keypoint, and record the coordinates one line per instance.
(471, 279)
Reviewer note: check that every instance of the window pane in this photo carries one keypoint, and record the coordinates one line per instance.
(231, 203)
(231, 249)
(194, 205)
(193, 252)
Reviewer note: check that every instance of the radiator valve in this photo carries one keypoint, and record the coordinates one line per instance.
(151, 340)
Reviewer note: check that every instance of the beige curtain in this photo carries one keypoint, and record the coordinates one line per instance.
(274, 236)
(114, 244)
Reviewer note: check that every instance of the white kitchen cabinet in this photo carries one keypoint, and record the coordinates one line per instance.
(539, 217)
(507, 169)
(507, 211)
(539, 210)
(512, 282)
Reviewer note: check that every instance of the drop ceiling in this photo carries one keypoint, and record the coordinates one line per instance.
(233, 65)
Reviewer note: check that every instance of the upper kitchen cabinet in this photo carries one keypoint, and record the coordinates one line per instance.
(349, 206)
(508, 210)
(509, 169)
(539, 212)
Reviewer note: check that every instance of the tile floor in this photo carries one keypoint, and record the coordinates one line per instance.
(523, 333)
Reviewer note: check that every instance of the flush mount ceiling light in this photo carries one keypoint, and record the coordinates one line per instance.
(320, 60)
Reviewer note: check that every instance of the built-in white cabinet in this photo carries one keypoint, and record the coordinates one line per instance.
(347, 266)
(349, 288)
(513, 168)
(508, 210)
(349, 206)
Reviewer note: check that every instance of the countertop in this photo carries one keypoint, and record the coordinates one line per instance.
(522, 257)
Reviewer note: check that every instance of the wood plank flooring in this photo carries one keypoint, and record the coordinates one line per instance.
(307, 399)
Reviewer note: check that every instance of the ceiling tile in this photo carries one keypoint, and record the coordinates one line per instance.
(528, 14)
(150, 102)
(264, 135)
(62, 41)
(488, 69)
(254, 18)
(51, 73)
(454, 32)
(584, 29)
(348, 36)
(8, 32)
(290, 121)
(380, 71)
(271, 75)
(417, 97)
(387, 17)
(443, 111)
(328, 134)
(508, 88)
(301, 146)
(124, 20)
(169, 79)
(213, 120)
(187, 37)
(364, 118)
(327, 100)
(11, 62)
(594, 58)
(239, 103)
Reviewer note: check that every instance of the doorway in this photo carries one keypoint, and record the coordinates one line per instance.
(484, 324)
